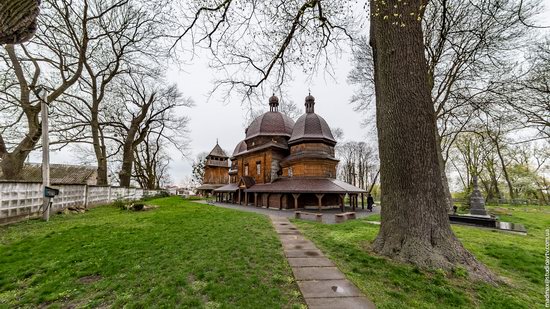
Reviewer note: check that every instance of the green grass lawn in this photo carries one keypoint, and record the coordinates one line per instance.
(518, 259)
(181, 254)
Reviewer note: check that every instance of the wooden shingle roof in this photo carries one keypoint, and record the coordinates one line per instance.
(59, 173)
(217, 151)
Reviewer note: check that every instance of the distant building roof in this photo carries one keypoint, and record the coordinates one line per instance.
(218, 152)
(59, 174)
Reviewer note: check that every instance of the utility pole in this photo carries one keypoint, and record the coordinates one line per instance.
(45, 155)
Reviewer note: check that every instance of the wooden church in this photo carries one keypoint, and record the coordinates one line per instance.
(287, 164)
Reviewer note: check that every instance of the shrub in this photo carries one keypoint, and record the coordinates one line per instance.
(138, 207)
(120, 204)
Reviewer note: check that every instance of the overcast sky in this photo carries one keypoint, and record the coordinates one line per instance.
(224, 118)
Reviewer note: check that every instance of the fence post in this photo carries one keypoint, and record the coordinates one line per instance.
(85, 196)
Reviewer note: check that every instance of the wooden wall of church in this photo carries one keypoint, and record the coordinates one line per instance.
(312, 168)
(264, 158)
(215, 175)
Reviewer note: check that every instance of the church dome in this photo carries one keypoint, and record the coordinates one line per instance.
(311, 127)
(272, 123)
(241, 147)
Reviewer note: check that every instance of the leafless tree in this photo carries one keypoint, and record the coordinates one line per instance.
(283, 34)
(54, 59)
(148, 107)
(470, 47)
(151, 162)
(358, 163)
(531, 100)
(124, 39)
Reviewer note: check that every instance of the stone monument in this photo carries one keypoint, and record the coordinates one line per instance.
(477, 202)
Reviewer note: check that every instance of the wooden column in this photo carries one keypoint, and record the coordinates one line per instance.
(239, 200)
(255, 199)
(267, 203)
(354, 202)
(296, 196)
(363, 200)
(281, 202)
(245, 199)
(320, 198)
(342, 197)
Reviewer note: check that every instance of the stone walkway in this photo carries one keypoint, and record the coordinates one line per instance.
(321, 283)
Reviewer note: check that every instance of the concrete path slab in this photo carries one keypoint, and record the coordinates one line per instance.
(340, 302)
(328, 288)
(317, 273)
(303, 253)
(292, 238)
(322, 284)
(298, 246)
(310, 262)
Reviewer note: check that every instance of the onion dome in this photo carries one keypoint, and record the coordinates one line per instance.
(272, 123)
(311, 127)
(241, 147)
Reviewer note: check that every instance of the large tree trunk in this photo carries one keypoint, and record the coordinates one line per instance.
(99, 150)
(415, 226)
(11, 163)
(444, 180)
(125, 174)
(18, 20)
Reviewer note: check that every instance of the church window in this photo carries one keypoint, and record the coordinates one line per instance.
(290, 172)
(258, 168)
(246, 170)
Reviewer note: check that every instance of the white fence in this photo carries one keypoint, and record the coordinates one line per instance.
(19, 200)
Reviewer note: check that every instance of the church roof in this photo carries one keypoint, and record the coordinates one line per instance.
(241, 147)
(271, 123)
(209, 186)
(232, 187)
(311, 126)
(218, 152)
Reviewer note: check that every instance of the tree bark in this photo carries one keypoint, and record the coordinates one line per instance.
(504, 169)
(442, 170)
(99, 150)
(415, 226)
(18, 20)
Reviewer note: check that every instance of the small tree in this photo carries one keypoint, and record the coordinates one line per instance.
(198, 166)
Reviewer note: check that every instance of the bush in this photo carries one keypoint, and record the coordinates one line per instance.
(120, 204)
(138, 207)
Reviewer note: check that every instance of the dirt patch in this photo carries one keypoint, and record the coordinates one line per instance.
(90, 279)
